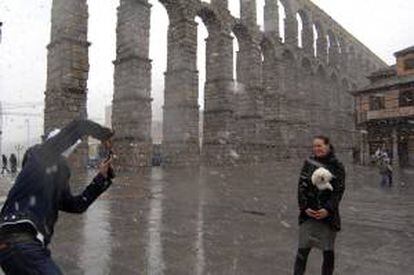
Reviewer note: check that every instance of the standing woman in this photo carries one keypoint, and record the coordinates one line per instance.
(319, 219)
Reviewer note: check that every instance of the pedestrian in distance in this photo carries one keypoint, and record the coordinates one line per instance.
(4, 165)
(320, 190)
(13, 163)
(41, 190)
(385, 171)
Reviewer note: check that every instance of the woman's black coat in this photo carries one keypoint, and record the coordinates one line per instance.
(310, 197)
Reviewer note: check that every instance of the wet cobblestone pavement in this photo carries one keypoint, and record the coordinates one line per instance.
(231, 221)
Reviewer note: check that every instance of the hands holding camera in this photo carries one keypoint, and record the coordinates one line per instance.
(105, 167)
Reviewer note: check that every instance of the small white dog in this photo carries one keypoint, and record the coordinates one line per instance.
(321, 178)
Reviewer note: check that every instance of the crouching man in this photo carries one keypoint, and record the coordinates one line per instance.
(42, 189)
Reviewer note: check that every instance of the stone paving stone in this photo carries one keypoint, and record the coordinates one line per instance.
(240, 220)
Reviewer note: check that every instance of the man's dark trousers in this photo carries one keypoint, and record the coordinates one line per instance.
(29, 257)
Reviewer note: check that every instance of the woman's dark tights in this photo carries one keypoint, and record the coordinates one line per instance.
(302, 258)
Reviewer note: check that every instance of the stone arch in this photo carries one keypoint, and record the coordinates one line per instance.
(343, 53)
(245, 41)
(268, 47)
(248, 102)
(268, 52)
(234, 8)
(242, 32)
(174, 9)
(282, 15)
(210, 19)
(291, 28)
(271, 18)
(306, 33)
(320, 42)
(287, 6)
(214, 28)
(219, 88)
(300, 29)
(181, 135)
(332, 48)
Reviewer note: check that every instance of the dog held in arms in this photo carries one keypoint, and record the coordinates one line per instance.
(321, 178)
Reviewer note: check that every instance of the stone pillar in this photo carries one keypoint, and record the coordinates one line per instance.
(307, 38)
(293, 104)
(181, 110)
(271, 19)
(131, 114)
(291, 30)
(333, 52)
(249, 100)
(67, 71)
(248, 12)
(218, 114)
(271, 79)
(343, 57)
(321, 46)
(319, 103)
(351, 62)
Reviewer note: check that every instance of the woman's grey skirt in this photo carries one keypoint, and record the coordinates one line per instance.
(313, 233)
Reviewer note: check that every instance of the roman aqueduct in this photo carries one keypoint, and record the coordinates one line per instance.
(287, 88)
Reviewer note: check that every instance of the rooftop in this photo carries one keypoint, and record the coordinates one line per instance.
(404, 51)
(386, 83)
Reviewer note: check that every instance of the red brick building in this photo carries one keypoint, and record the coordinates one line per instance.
(385, 111)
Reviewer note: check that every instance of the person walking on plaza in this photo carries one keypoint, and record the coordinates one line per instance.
(319, 219)
(13, 163)
(385, 170)
(4, 165)
(41, 190)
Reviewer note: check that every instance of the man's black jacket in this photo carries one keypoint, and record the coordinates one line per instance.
(310, 197)
(42, 187)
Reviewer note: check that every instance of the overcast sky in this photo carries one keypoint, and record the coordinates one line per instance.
(385, 26)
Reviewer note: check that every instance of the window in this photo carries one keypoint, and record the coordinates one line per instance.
(407, 98)
(376, 103)
(409, 64)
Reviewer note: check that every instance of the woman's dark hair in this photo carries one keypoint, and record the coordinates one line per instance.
(327, 141)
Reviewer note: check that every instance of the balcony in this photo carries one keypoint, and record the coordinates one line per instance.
(391, 113)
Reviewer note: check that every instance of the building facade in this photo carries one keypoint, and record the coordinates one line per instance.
(385, 111)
